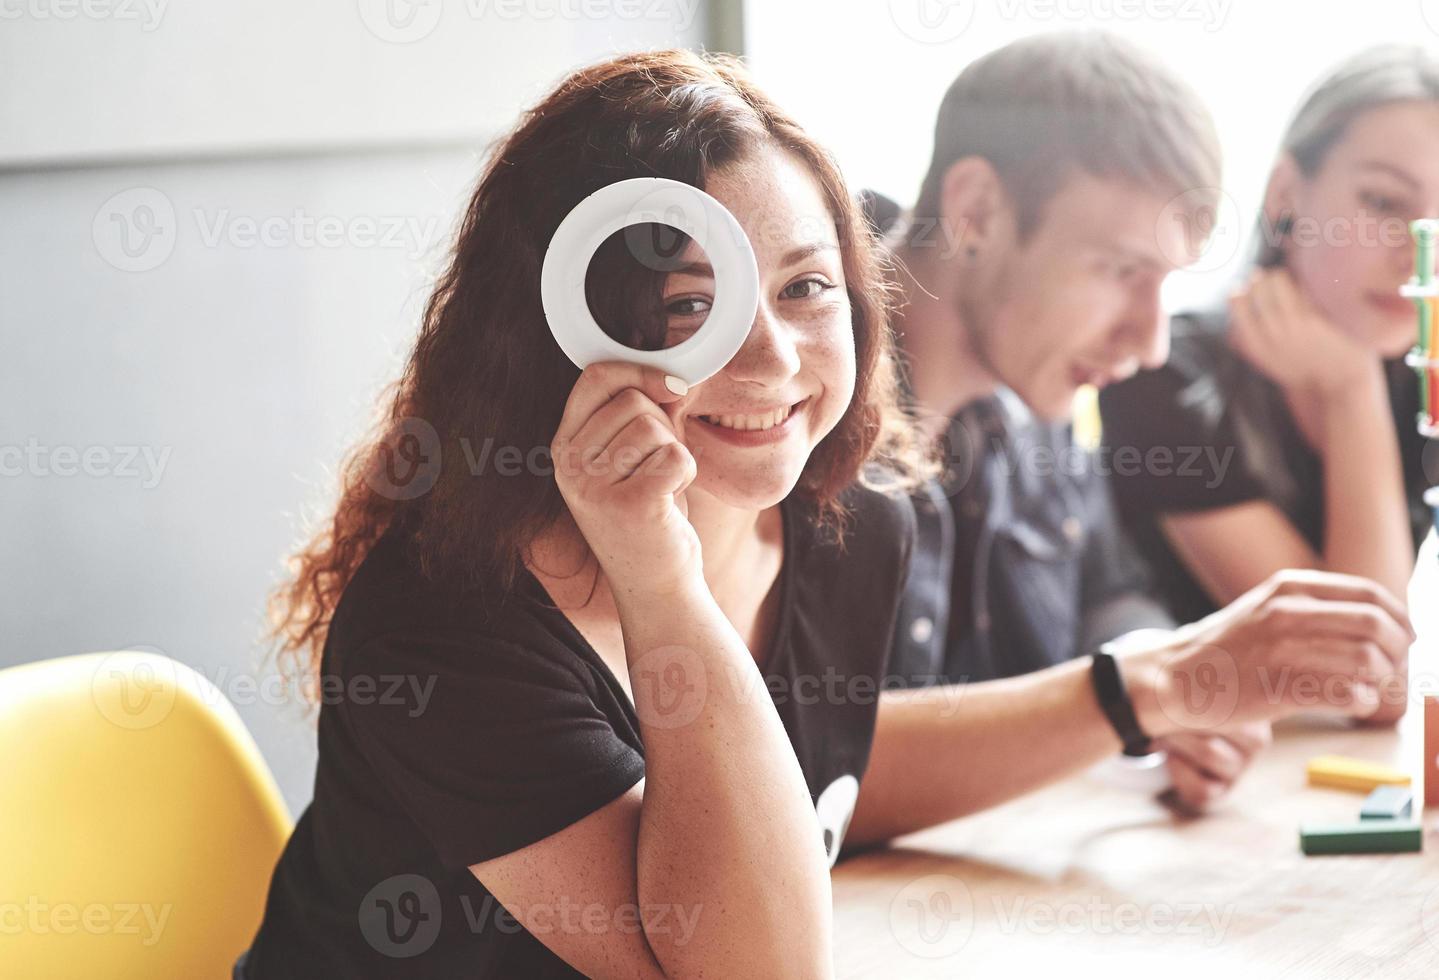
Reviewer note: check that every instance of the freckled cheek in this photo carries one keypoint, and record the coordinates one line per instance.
(829, 362)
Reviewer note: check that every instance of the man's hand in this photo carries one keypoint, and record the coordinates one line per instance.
(1203, 768)
(1299, 640)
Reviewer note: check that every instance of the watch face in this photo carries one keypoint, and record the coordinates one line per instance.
(1142, 773)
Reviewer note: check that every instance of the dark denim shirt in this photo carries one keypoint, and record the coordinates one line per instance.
(1019, 562)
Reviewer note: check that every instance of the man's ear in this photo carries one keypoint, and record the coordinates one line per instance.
(974, 208)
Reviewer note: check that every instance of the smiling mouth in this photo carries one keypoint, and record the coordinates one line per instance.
(1392, 303)
(1080, 375)
(753, 422)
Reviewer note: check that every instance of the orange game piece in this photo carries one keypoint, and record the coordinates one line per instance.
(1431, 750)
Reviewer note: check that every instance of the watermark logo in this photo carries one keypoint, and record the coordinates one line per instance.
(1429, 917)
(1211, 15)
(135, 230)
(1097, 916)
(932, 21)
(400, 917)
(135, 691)
(1201, 229)
(408, 21)
(34, 459)
(952, 445)
(933, 916)
(1203, 688)
(41, 918)
(408, 464)
(565, 916)
(670, 686)
(1430, 460)
(146, 13)
(401, 21)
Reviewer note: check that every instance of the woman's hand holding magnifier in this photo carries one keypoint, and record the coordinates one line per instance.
(623, 470)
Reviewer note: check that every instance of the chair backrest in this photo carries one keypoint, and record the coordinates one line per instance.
(139, 824)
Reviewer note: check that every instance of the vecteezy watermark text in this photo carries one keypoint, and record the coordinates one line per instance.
(145, 463)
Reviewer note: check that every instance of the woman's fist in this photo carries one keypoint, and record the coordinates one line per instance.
(622, 469)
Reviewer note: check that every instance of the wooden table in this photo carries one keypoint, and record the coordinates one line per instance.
(1090, 878)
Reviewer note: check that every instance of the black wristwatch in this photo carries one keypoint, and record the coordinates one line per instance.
(1114, 700)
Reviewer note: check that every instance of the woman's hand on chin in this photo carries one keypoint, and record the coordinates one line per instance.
(623, 470)
(1280, 331)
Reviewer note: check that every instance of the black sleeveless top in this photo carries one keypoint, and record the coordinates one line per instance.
(450, 734)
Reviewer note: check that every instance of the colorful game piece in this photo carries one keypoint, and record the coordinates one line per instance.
(1424, 291)
(1431, 750)
(1363, 837)
(1339, 772)
(1387, 803)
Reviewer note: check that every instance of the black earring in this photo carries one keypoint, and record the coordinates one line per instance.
(971, 252)
(1284, 225)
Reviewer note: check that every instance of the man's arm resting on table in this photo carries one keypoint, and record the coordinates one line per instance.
(940, 753)
(944, 752)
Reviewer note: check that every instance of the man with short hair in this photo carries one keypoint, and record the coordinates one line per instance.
(1068, 173)
(1069, 166)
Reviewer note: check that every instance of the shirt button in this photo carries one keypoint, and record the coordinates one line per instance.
(981, 622)
(921, 629)
(1072, 528)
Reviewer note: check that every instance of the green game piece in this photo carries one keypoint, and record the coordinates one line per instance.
(1387, 803)
(1363, 837)
(1424, 231)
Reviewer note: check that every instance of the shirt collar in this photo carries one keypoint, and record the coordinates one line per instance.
(1000, 416)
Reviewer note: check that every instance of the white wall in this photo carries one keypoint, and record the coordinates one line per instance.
(214, 386)
(145, 77)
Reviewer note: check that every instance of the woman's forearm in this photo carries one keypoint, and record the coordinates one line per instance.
(1365, 520)
(728, 828)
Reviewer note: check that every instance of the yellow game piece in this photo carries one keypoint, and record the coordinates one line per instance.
(1339, 772)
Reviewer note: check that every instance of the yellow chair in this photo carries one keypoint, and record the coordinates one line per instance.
(139, 824)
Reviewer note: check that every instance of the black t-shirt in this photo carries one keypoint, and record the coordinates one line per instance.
(454, 730)
(1207, 430)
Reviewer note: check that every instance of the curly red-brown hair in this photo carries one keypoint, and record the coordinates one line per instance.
(486, 367)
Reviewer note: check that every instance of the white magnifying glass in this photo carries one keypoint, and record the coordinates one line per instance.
(655, 200)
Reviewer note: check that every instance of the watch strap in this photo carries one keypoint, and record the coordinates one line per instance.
(1115, 703)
